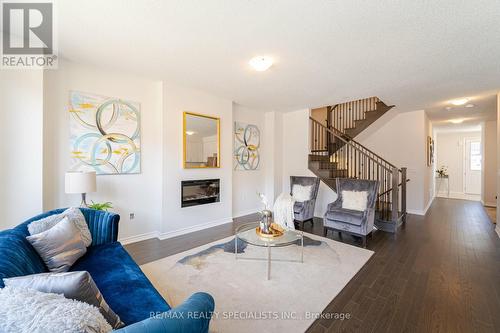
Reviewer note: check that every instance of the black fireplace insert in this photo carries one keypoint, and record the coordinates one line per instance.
(199, 192)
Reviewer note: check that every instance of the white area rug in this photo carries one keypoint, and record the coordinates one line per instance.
(245, 301)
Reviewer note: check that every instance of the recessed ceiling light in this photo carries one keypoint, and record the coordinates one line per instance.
(459, 101)
(261, 63)
(470, 105)
(190, 132)
(456, 121)
(448, 108)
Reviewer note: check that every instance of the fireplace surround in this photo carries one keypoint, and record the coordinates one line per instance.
(199, 192)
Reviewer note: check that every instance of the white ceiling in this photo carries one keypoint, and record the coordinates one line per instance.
(485, 108)
(415, 54)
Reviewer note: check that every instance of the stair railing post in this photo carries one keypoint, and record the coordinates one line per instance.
(395, 195)
(403, 193)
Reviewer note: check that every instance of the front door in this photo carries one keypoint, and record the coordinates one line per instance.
(473, 166)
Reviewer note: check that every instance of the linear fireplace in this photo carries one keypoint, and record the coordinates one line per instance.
(199, 192)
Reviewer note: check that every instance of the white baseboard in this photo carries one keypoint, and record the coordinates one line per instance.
(138, 238)
(428, 206)
(415, 211)
(497, 229)
(490, 204)
(459, 195)
(421, 212)
(247, 212)
(173, 233)
(198, 227)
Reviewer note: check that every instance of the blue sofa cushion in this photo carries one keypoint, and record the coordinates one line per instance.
(17, 256)
(345, 215)
(123, 285)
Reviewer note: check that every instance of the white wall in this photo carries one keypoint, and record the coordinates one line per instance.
(295, 153)
(246, 183)
(140, 193)
(498, 162)
(450, 153)
(429, 176)
(400, 138)
(21, 112)
(273, 163)
(176, 220)
(489, 181)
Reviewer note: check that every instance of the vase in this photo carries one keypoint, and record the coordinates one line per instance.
(265, 221)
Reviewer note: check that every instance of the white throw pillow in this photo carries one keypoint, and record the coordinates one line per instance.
(301, 193)
(355, 200)
(29, 310)
(74, 214)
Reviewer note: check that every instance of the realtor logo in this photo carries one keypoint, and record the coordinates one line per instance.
(28, 35)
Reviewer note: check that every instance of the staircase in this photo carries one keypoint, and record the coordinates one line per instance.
(335, 154)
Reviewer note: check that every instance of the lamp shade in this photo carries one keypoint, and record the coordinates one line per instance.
(80, 182)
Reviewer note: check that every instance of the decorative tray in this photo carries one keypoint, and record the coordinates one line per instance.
(276, 231)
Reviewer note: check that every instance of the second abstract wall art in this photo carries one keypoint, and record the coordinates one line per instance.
(246, 146)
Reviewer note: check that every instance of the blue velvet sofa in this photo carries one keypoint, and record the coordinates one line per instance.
(124, 286)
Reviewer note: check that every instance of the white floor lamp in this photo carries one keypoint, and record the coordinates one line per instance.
(80, 182)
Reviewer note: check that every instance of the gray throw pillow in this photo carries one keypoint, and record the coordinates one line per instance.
(74, 285)
(60, 246)
(74, 214)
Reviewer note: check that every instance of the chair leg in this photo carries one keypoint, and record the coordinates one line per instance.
(363, 238)
(325, 231)
(340, 235)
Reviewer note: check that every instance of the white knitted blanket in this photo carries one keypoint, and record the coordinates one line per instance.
(25, 310)
(283, 211)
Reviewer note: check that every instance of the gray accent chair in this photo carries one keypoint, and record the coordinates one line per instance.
(354, 222)
(304, 211)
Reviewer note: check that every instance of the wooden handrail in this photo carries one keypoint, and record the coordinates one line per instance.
(389, 190)
(347, 158)
(362, 150)
(357, 143)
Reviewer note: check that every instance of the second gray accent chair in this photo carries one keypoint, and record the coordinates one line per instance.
(354, 222)
(304, 211)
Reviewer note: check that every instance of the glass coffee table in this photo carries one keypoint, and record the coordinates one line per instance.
(246, 233)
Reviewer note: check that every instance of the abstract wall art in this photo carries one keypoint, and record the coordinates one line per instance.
(105, 134)
(246, 146)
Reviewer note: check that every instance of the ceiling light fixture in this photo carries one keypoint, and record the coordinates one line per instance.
(470, 105)
(190, 132)
(459, 101)
(456, 121)
(448, 108)
(261, 63)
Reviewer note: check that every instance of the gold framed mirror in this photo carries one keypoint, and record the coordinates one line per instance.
(201, 138)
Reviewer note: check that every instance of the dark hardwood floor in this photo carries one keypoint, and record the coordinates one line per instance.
(441, 273)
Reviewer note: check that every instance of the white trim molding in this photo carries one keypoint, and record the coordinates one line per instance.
(138, 238)
(173, 233)
(459, 195)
